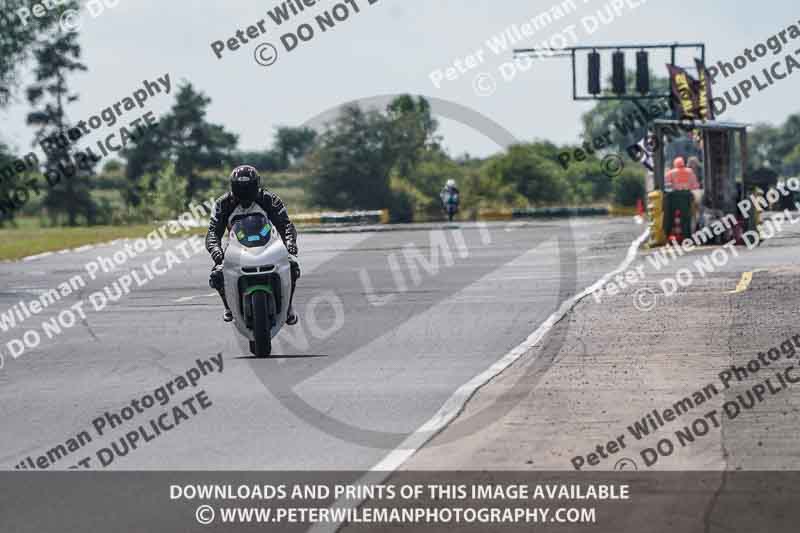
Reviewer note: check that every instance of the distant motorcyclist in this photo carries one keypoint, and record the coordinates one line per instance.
(247, 197)
(450, 198)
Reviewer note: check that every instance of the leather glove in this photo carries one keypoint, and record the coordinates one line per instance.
(291, 248)
(295, 267)
(217, 255)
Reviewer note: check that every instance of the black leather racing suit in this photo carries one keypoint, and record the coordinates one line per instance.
(446, 189)
(225, 208)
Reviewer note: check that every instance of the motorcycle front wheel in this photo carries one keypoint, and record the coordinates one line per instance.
(262, 347)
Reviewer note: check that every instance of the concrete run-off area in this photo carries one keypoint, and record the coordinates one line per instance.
(706, 379)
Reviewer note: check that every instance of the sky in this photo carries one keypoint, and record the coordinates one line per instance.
(392, 47)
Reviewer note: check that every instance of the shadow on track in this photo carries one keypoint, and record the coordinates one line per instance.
(276, 357)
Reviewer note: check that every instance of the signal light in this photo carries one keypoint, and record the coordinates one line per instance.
(594, 73)
(642, 73)
(618, 75)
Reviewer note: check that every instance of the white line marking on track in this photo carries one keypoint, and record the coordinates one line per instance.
(190, 298)
(513, 278)
(37, 256)
(455, 404)
(68, 250)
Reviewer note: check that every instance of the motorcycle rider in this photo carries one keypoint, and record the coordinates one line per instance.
(247, 197)
(449, 188)
(449, 197)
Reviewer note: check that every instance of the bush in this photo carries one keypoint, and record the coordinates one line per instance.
(628, 187)
(401, 208)
(533, 175)
(170, 193)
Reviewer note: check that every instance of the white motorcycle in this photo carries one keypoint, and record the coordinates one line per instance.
(258, 281)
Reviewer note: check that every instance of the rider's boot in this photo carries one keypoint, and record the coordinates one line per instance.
(227, 316)
(216, 282)
(291, 316)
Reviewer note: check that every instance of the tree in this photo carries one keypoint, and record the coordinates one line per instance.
(355, 158)
(351, 164)
(291, 144)
(170, 191)
(68, 171)
(775, 147)
(412, 131)
(482, 188)
(789, 137)
(17, 41)
(791, 163)
(263, 160)
(420, 167)
(144, 156)
(532, 172)
(16, 44)
(184, 138)
(628, 188)
(9, 204)
(588, 182)
(762, 140)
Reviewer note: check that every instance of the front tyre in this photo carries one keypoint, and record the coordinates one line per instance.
(262, 347)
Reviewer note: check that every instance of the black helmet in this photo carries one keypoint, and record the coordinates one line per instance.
(245, 183)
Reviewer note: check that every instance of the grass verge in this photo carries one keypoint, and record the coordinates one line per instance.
(22, 242)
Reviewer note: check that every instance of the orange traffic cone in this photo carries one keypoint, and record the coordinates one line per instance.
(677, 230)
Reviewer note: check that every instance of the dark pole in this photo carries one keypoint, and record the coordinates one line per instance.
(671, 84)
(658, 159)
(743, 154)
(574, 81)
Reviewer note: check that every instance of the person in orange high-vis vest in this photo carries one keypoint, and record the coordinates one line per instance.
(681, 177)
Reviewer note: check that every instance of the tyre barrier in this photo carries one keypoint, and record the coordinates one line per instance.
(544, 212)
(550, 212)
(379, 216)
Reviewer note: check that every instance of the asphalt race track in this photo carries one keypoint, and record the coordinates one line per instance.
(392, 324)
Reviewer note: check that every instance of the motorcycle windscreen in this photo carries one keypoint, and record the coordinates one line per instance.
(252, 231)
